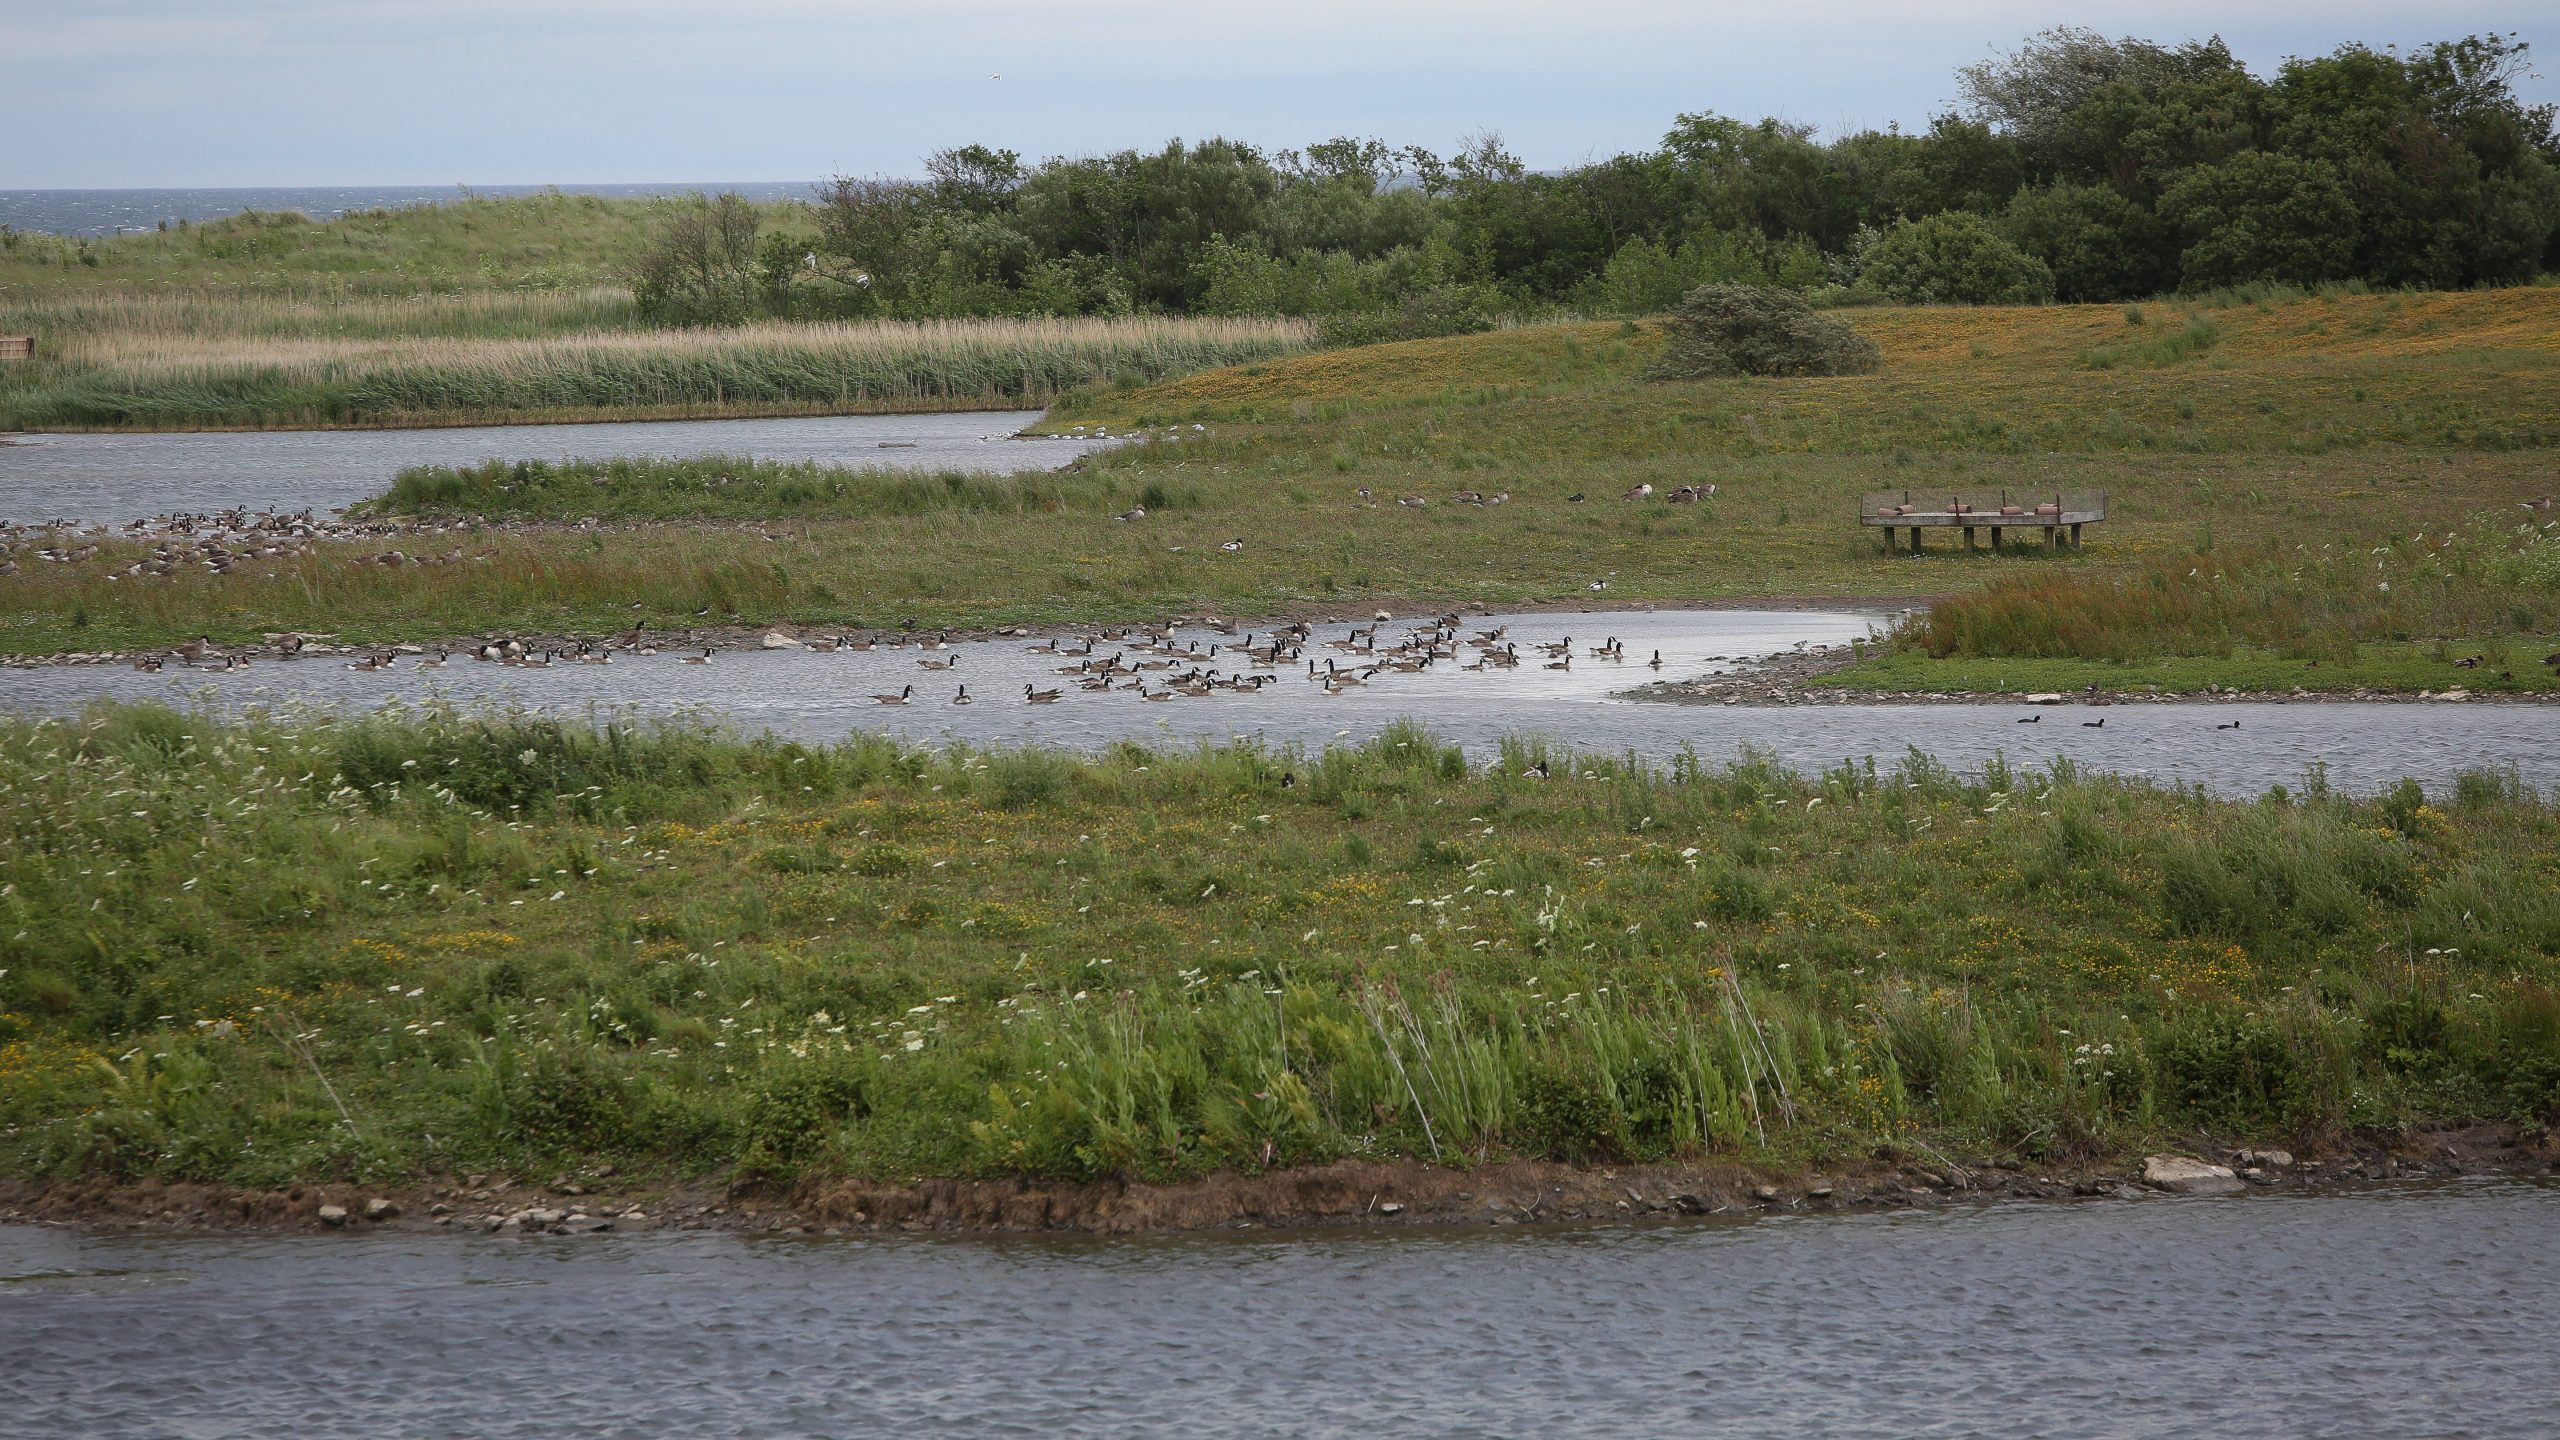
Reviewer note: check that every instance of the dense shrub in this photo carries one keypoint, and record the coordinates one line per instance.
(1748, 330)
(1954, 258)
(1441, 310)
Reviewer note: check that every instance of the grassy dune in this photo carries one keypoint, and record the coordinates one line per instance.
(489, 311)
(525, 243)
(394, 947)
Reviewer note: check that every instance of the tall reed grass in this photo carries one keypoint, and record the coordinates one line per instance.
(204, 379)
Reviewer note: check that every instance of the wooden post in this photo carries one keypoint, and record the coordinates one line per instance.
(1999, 537)
(1968, 540)
(2075, 534)
(1915, 539)
(2048, 537)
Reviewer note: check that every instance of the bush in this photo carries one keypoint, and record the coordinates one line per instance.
(1440, 310)
(1722, 330)
(1954, 258)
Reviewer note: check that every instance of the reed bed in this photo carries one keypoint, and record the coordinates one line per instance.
(504, 941)
(198, 379)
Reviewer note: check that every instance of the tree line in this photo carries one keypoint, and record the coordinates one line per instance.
(2075, 168)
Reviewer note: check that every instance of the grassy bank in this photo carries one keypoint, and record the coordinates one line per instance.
(2474, 605)
(303, 948)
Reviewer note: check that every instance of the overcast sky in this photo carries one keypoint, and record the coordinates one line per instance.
(105, 93)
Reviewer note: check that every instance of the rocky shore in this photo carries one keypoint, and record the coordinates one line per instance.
(1344, 1193)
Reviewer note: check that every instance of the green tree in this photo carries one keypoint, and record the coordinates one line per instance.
(2098, 244)
(1956, 257)
(2261, 216)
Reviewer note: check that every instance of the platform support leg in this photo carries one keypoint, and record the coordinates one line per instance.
(2075, 535)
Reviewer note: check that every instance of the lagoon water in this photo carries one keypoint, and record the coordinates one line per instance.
(2356, 747)
(98, 479)
(2415, 1311)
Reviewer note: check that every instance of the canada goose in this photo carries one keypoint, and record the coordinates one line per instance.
(196, 649)
(1641, 492)
(1596, 586)
(964, 697)
(2029, 719)
(702, 659)
(905, 693)
(1414, 501)
(1561, 647)
(1467, 497)
(1564, 664)
(1538, 770)
(2234, 725)
(1496, 498)
(435, 661)
(147, 662)
(370, 662)
(1656, 662)
(1288, 779)
(1234, 547)
(938, 664)
(1041, 697)
(2097, 724)
(1156, 695)
(1574, 499)
(1134, 512)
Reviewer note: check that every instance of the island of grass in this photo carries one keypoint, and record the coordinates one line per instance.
(401, 950)
(2337, 493)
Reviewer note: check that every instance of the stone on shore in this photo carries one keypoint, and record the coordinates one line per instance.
(378, 1209)
(776, 640)
(2185, 1175)
(333, 1216)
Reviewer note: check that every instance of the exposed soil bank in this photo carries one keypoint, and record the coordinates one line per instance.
(1344, 1193)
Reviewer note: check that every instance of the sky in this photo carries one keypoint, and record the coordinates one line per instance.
(134, 93)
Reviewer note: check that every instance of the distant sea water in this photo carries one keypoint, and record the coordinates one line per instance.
(106, 212)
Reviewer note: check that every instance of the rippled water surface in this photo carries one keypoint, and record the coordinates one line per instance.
(112, 478)
(2413, 1312)
(826, 696)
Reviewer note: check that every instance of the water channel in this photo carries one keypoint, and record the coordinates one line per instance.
(110, 478)
(2358, 747)
(2427, 1310)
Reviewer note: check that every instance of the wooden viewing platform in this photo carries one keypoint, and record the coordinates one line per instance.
(2058, 513)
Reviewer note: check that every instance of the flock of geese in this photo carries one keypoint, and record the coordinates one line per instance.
(1153, 663)
(218, 542)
